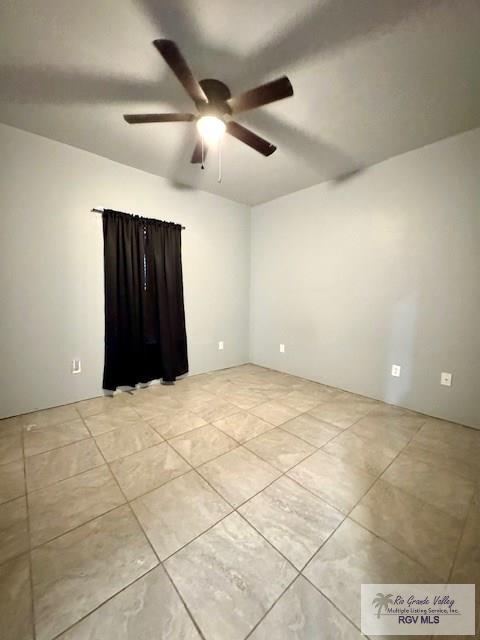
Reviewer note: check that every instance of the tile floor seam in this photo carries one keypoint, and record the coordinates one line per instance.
(285, 473)
(332, 603)
(78, 526)
(298, 572)
(464, 527)
(369, 489)
(348, 515)
(150, 446)
(194, 469)
(126, 502)
(306, 413)
(209, 424)
(377, 476)
(163, 484)
(236, 509)
(5, 502)
(190, 614)
(300, 437)
(199, 535)
(402, 551)
(220, 395)
(29, 537)
(180, 434)
(122, 426)
(376, 534)
(62, 446)
(159, 562)
(272, 606)
(412, 437)
(56, 448)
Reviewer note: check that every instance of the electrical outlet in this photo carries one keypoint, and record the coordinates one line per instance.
(220, 345)
(446, 379)
(396, 370)
(282, 348)
(76, 366)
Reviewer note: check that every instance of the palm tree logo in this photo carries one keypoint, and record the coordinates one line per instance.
(382, 601)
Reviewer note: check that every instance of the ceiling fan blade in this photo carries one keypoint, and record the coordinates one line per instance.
(264, 94)
(177, 63)
(197, 153)
(248, 137)
(141, 118)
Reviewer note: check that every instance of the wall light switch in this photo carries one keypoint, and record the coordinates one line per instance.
(220, 345)
(76, 366)
(446, 379)
(396, 370)
(282, 348)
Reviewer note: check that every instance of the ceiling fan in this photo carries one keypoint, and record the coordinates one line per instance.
(215, 105)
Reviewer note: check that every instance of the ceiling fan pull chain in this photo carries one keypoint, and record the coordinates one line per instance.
(219, 179)
(203, 155)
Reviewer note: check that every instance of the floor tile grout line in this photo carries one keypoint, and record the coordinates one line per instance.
(127, 502)
(59, 535)
(299, 572)
(15, 498)
(160, 563)
(434, 468)
(279, 477)
(259, 622)
(75, 475)
(441, 467)
(29, 538)
(150, 446)
(189, 613)
(235, 509)
(332, 602)
(108, 463)
(196, 468)
(348, 514)
(63, 446)
(405, 553)
(460, 538)
(394, 546)
(141, 529)
(55, 448)
(58, 635)
(284, 473)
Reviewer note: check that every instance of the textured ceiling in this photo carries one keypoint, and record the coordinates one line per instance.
(372, 79)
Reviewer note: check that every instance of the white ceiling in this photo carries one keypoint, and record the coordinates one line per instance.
(372, 79)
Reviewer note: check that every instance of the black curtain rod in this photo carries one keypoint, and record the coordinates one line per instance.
(101, 211)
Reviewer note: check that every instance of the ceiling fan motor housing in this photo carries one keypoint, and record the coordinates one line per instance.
(217, 93)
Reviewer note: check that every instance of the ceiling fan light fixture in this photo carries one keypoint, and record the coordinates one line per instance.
(211, 129)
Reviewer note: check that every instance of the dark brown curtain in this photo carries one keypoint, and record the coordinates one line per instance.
(145, 337)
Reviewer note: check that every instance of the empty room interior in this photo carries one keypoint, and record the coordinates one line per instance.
(239, 319)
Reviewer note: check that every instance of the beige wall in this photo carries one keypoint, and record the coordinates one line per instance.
(51, 268)
(380, 269)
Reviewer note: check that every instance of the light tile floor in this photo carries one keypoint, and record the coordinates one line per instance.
(240, 503)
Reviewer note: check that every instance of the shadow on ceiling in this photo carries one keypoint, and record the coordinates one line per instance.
(328, 26)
